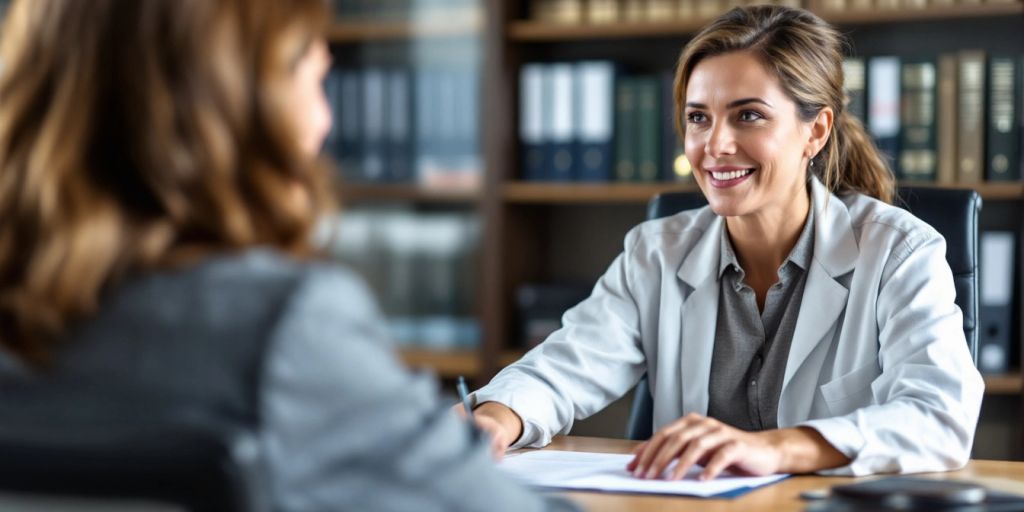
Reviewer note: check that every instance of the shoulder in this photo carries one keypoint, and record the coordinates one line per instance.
(876, 223)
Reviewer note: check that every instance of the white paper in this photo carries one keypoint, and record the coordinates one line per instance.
(607, 472)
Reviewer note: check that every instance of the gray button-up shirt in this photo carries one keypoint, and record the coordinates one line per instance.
(751, 347)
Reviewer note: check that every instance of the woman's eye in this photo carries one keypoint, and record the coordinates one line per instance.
(695, 117)
(750, 115)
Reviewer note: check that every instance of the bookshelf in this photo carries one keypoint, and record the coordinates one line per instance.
(351, 193)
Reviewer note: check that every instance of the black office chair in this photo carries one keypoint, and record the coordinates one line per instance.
(164, 465)
(952, 212)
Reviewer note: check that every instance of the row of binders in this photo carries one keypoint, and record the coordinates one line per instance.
(585, 122)
(421, 267)
(955, 118)
(402, 124)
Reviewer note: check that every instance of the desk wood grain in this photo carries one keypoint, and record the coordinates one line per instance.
(780, 497)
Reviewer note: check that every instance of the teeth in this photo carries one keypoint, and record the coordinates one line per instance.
(731, 175)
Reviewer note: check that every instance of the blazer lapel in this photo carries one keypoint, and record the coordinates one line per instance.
(699, 273)
(824, 299)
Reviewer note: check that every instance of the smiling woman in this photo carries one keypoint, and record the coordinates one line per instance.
(799, 322)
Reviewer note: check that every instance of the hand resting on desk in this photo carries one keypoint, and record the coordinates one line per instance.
(695, 439)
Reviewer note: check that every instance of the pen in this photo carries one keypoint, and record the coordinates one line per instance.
(464, 396)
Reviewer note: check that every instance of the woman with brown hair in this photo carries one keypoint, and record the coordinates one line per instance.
(157, 193)
(798, 323)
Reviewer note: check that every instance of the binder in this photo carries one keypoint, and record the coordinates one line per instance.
(884, 106)
(350, 140)
(531, 121)
(560, 126)
(595, 104)
(918, 159)
(996, 310)
(398, 128)
(374, 107)
(1002, 154)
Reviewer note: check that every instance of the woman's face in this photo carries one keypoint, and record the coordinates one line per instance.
(748, 148)
(307, 102)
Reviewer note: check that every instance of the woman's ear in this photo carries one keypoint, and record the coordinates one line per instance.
(821, 128)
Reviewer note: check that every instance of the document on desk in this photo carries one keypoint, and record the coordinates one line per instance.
(555, 469)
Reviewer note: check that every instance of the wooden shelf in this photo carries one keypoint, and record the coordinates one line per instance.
(445, 363)
(534, 31)
(375, 31)
(360, 193)
(572, 193)
(576, 193)
(1009, 384)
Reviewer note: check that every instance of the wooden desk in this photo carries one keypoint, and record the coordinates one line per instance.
(783, 496)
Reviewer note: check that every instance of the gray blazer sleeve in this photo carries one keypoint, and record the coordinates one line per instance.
(346, 427)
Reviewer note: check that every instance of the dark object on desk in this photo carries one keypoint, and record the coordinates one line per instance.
(195, 468)
(952, 212)
(915, 494)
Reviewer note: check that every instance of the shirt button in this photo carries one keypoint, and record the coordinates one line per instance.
(753, 383)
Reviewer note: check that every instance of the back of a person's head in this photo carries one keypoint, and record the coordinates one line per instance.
(137, 135)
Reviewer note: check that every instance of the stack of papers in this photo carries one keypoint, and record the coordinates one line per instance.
(554, 469)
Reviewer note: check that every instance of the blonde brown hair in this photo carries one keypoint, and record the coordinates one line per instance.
(805, 54)
(136, 135)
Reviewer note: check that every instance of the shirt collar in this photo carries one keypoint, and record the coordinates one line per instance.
(800, 255)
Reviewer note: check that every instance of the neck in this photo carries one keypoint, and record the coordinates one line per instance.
(763, 240)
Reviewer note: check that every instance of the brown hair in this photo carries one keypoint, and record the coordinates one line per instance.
(805, 54)
(137, 135)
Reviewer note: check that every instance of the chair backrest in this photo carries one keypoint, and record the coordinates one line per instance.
(118, 467)
(952, 212)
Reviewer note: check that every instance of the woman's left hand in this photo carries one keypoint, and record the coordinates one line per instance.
(695, 439)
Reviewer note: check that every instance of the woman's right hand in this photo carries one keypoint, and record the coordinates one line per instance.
(500, 422)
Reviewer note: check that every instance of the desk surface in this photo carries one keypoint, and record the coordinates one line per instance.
(783, 496)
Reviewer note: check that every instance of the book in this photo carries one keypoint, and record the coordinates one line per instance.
(568, 12)
(634, 10)
(854, 81)
(648, 129)
(917, 153)
(602, 11)
(625, 130)
(946, 129)
(398, 126)
(674, 165)
(374, 108)
(971, 114)
(1002, 154)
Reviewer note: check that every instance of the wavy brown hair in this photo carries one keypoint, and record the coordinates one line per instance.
(805, 54)
(142, 134)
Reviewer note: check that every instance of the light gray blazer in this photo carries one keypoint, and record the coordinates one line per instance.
(298, 352)
(878, 365)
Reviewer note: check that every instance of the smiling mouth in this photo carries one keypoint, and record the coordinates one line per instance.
(730, 175)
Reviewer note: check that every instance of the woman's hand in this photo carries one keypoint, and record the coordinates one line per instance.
(695, 439)
(501, 423)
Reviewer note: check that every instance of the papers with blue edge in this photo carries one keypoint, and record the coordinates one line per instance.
(554, 469)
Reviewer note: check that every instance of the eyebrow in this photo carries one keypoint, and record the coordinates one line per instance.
(733, 104)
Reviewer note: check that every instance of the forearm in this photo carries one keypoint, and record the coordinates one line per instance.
(804, 450)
